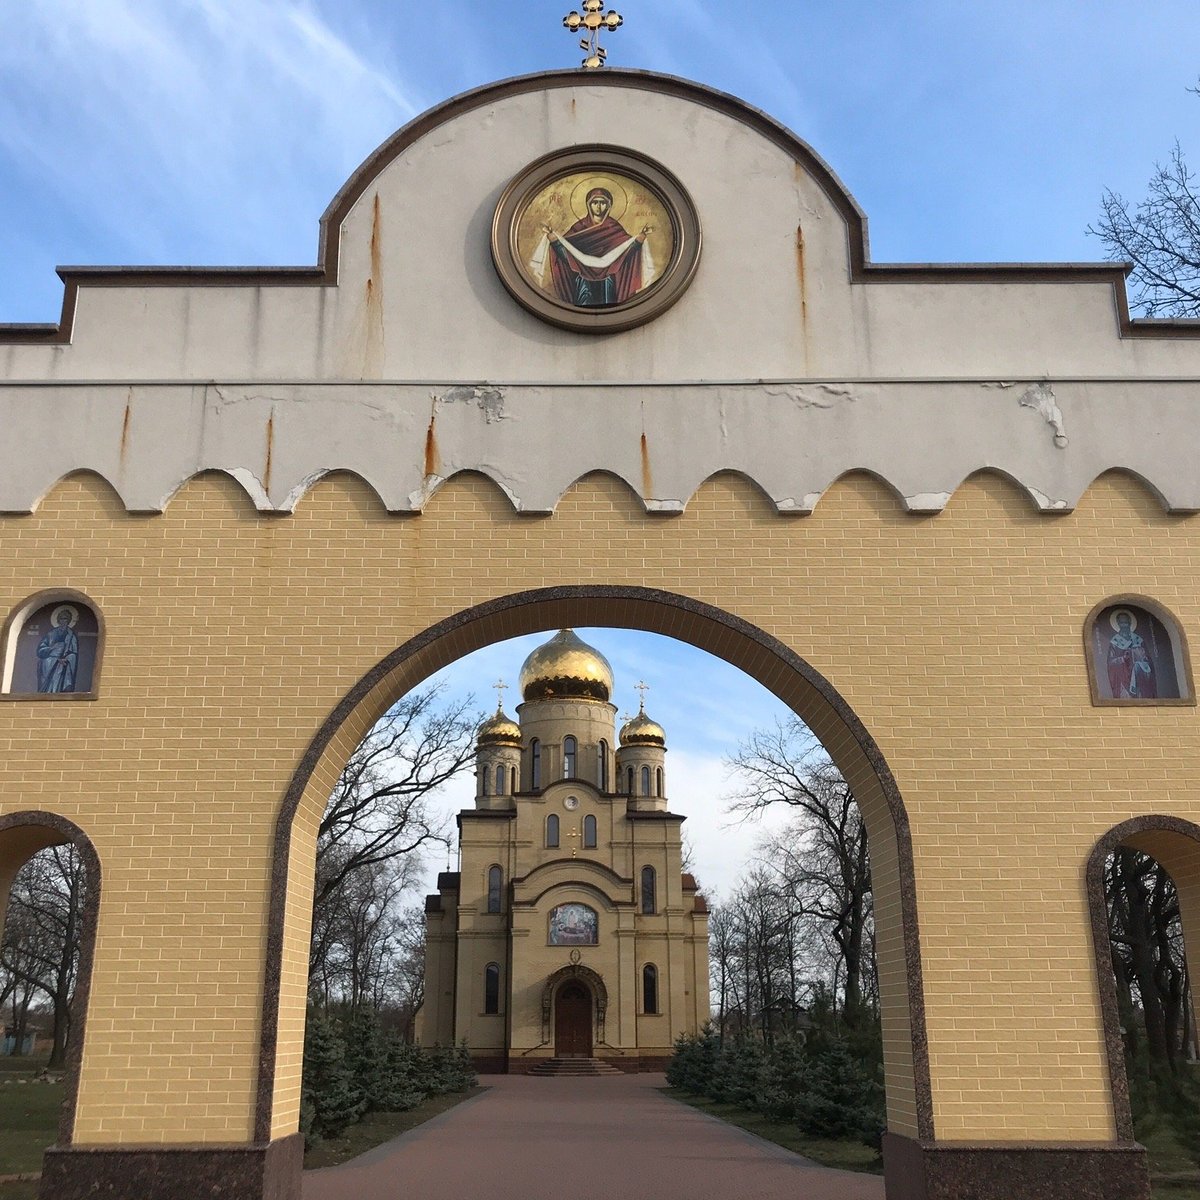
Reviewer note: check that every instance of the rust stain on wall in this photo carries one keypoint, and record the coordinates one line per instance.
(802, 277)
(433, 460)
(374, 299)
(647, 475)
(270, 452)
(125, 425)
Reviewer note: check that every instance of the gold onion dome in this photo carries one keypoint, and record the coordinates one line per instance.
(566, 668)
(499, 729)
(641, 731)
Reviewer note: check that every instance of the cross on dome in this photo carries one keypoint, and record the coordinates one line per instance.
(501, 687)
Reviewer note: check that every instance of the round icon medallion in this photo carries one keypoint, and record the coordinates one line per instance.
(596, 239)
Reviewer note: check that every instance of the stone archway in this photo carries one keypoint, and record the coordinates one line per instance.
(1175, 844)
(22, 835)
(595, 998)
(765, 658)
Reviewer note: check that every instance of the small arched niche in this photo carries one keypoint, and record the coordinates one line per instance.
(53, 644)
(1136, 654)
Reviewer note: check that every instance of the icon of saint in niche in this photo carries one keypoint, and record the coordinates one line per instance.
(58, 652)
(596, 261)
(1131, 666)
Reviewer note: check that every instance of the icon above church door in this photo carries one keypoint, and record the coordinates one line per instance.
(573, 1021)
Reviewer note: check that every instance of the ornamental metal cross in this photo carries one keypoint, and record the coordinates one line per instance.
(592, 20)
(573, 833)
(501, 687)
(643, 687)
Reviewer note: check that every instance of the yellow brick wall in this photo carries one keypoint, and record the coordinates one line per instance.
(956, 638)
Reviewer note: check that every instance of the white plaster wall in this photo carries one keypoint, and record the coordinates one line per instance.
(773, 364)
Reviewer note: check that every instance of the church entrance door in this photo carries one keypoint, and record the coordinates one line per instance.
(573, 1022)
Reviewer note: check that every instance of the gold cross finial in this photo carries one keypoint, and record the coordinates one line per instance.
(501, 687)
(592, 20)
(642, 687)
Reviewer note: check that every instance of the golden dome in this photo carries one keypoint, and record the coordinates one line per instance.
(499, 728)
(641, 731)
(566, 668)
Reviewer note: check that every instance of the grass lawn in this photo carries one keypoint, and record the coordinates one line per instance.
(375, 1129)
(1172, 1168)
(844, 1155)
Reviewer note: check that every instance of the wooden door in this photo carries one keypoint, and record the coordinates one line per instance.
(573, 1022)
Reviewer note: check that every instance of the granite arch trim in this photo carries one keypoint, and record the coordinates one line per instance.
(705, 626)
(59, 831)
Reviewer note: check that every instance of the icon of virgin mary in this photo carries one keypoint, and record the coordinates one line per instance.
(596, 263)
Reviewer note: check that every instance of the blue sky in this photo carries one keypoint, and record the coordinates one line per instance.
(215, 132)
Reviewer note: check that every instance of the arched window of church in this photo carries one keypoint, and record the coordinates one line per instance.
(491, 988)
(500, 773)
(552, 830)
(1136, 654)
(602, 765)
(570, 748)
(650, 988)
(589, 832)
(495, 878)
(535, 764)
(649, 887)
(485, 780)
(645, 781)
(629, 781)
(658, 791)
(52, 647)
(512, 778)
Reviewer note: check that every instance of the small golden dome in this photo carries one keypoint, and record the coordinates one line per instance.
(499, 729)
(641, 731)
(566, 668)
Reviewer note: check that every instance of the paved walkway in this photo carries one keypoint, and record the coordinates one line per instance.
(586, 1139)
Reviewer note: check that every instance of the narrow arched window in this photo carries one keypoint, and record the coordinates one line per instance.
(500, 773)
(491, 988)
(512, 776)
(535, 764)
(552, 830)
(658, 789)
(650, 988)
(602, 765)
(649, 899)
(629, 781)
(52, 647)
(570, 748)
(589, 832)
(645, 781)
(485, 780)
(495, 876)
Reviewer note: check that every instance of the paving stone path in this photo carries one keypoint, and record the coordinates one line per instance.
(587, 1139)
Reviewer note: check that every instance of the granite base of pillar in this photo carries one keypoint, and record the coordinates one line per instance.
(916, 1170)
(261, 1172)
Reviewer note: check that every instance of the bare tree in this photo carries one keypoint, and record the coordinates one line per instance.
(1160, 236)
(377, 828)
(40, 951)
(821, 862)
(380, 808)
(1146, 934)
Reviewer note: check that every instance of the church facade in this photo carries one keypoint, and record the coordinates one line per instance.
(570, 930)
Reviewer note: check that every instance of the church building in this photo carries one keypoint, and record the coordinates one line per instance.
(570, 930)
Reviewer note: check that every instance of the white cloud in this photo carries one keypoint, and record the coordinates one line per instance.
(151, 115)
